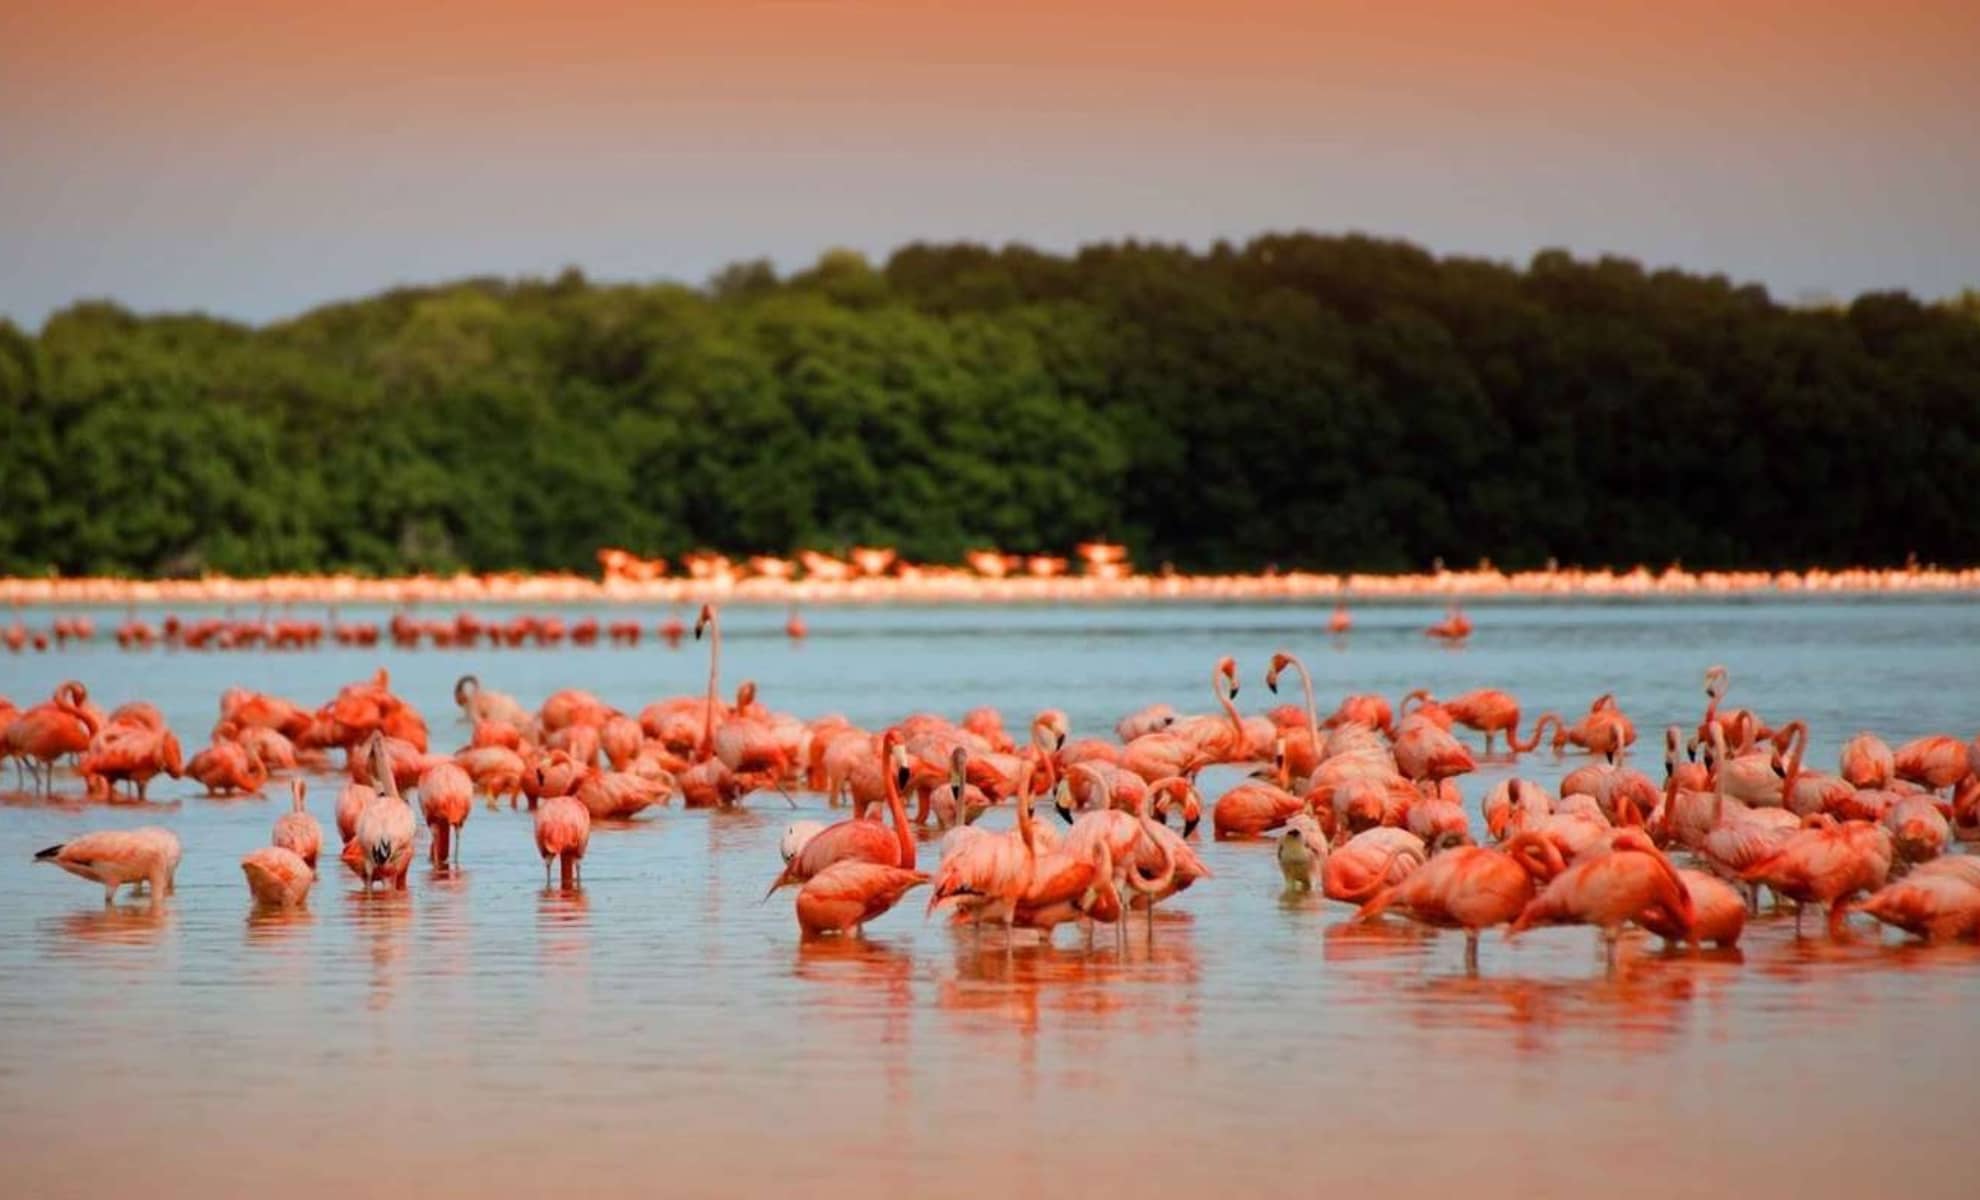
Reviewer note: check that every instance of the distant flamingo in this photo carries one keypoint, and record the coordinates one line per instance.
(1455, 627)
(563, 830)
(277, 877)
(1340, 621)
(794, 629)
(114, 858)
(296, 831)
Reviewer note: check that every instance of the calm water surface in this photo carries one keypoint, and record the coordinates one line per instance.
(663, 1032)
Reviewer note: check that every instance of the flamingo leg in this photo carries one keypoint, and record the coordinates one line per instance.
(1471, 951)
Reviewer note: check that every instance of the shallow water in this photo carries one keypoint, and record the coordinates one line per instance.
(662, 1031)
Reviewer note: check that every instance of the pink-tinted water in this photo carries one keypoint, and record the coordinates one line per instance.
(664, 1033)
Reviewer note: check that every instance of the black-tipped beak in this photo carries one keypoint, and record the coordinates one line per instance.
(1065, 814)
(903, 776)
(1189, 826)
(1780, 771)
(1234, 689)
(1272, 684)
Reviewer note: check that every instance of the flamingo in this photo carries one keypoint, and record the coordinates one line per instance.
(1143, 721)
(860, 838)
(133, 754)
(1936, 761)
(1932, 907)
(381, 844)
(480, 706)
(114, 858)
(1369, 861)
(296, 831)
(63, 725)
(563, 830)
(847, 894)
(1489, 711)
(1471, 888)
(794, 629)
(1366, 709)
(1454, 628)
(1827, 862)
(1340, 621)
(1867, 762)
(1216, 739)
(1611, 889)
(1302, 756)
(277, 877)
(228, 768)
(446, 793)
(1427, 754)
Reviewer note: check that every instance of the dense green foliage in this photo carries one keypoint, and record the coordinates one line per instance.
(1300, 400)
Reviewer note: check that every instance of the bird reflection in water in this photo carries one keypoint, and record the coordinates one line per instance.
(268, 925)
(141, 924)
(861, 980)
(563, 928)
(382, 921)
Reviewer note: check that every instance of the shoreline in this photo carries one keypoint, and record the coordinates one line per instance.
(953, 586)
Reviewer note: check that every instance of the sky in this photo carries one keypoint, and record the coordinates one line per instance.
(252, 159)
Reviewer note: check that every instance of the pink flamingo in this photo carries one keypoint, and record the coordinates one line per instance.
(1933, 907)
(1471, 888)
(1827, 862)
(296, 831)
(381, 847)
(1609, 890)
(860, 838)
(277, 877)
(563, 830)
(114, 858)
(446, 794)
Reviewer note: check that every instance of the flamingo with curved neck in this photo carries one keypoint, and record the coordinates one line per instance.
(1282, 660)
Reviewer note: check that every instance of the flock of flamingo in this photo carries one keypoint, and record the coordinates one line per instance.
(1363, 804)
(464, 630)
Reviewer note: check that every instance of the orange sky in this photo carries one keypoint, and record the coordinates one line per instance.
(253, 158)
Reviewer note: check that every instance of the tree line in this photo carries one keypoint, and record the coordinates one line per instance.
(1298, 400)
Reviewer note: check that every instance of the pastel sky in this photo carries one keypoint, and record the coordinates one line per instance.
(252, 158)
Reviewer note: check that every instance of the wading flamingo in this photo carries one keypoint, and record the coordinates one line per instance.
(116, 857)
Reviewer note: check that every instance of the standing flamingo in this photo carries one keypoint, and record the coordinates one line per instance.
(116, 857)
(296, 831)
(446, 794)
(563, 830)
(381, 847)
(1340, 621)
(1471, 888)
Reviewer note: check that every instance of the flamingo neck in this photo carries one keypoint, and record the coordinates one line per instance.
(898, 809)
(1230, 706)
(707, 748)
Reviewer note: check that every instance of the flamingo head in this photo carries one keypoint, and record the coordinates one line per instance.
(704, 620)
(1227, 672)
(1280, 661)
